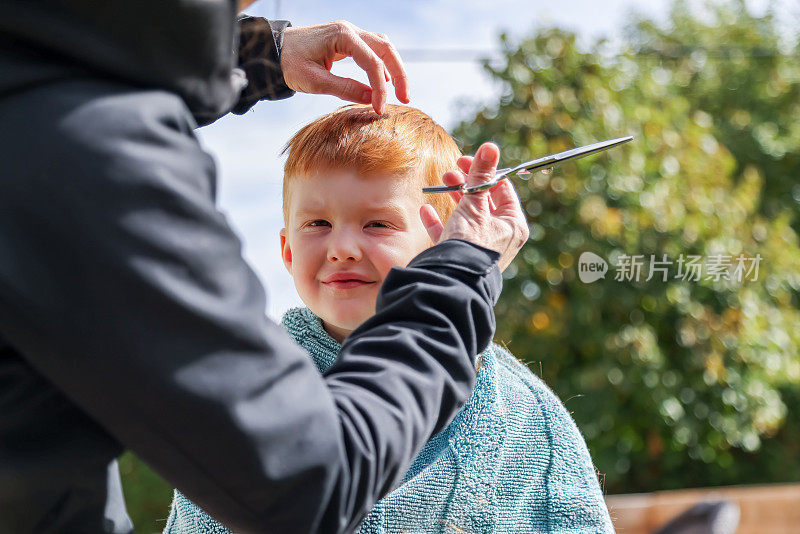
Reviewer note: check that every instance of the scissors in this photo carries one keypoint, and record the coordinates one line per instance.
(525, 169)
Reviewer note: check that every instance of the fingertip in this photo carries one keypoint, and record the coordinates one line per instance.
(428, 215)
(402, 97)
(431, 222)
(382, 94)
(378, 102)
(402, 92)
(488, 152)
(464, 163)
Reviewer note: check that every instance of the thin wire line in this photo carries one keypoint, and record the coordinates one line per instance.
(431, 55)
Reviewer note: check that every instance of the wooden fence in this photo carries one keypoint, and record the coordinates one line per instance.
(765, 509)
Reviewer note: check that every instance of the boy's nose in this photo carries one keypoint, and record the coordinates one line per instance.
(343, 246)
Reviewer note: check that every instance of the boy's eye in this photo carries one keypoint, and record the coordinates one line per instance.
(378, 224)
(319, 222)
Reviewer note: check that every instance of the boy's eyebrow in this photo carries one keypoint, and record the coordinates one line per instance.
(390, 208)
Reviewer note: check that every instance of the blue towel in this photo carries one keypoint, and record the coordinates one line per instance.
(512, 460)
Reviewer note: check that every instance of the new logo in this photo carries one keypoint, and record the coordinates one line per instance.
(591, 267)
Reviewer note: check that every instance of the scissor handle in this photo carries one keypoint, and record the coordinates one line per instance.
(487, 185)
(498, 175)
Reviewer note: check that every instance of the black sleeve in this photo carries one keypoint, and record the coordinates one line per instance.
(127, 291)
(259, 53)
(400, 374)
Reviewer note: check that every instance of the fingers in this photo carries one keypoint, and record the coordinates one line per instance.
(431, 222)
(509, 207)
(350, 42)
(374, 53)
(345, 88)
(504, 196)
(386, 51)
(494, 218)
(464, 163)
(310, 51)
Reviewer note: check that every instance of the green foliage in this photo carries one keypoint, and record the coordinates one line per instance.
(147, 495)
(740, 71)
(674, 383)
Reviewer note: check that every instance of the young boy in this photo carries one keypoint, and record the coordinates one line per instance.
(512, 460)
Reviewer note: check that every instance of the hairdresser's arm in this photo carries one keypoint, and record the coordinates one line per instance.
(152, 327)
(279, 59)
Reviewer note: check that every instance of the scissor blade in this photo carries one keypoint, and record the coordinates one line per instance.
(567, 155)
(542, 163)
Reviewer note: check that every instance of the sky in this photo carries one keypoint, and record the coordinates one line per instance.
(247, 148)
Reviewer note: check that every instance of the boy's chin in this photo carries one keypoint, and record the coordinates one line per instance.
(348, 319)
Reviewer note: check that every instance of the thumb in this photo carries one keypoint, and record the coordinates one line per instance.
(432, 223)
(482, 169)
(483, 165)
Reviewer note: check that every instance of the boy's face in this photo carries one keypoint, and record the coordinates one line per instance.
(344, 233)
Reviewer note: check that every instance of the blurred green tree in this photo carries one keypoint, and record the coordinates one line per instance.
(742, 72)
(675, 382)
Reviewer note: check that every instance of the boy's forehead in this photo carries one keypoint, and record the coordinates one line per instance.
(355, 191)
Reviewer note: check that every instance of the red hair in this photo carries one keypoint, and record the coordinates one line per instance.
(403, 142)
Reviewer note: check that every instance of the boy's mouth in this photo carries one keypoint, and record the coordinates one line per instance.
(347, 284)
(346, 280)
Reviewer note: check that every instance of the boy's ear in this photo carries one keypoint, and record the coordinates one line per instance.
(286, 251)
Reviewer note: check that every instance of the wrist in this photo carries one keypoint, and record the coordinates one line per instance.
(466, 258)
(287, 33)
(279, 30)
(259, 55)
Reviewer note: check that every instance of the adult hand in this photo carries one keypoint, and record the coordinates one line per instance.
(492, 219)
(309, 52)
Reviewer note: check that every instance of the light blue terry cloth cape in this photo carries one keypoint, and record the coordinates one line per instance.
(511, 461)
